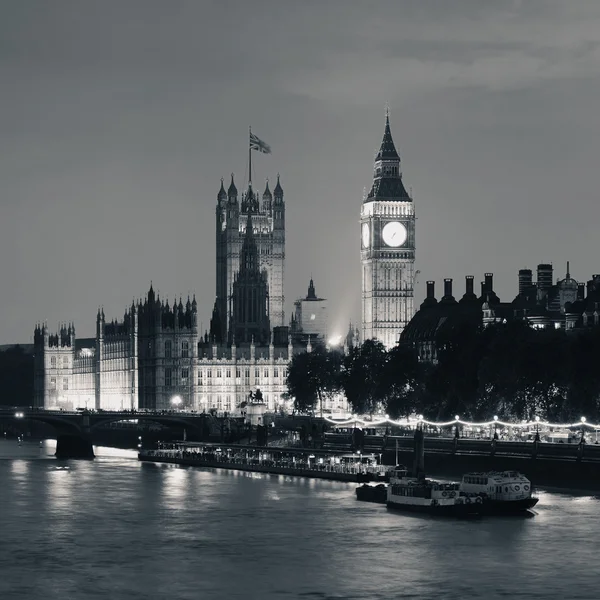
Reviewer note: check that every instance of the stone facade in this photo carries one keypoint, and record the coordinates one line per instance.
(268, 221)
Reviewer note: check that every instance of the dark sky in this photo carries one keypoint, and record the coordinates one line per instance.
(118, 119)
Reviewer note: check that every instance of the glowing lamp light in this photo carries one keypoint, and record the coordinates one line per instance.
(456, 418)
(495, 417)
(583, 419)
(537, 418)
(335, 340)
(176, 400)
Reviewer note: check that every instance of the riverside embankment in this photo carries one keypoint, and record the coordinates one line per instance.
(575, 472)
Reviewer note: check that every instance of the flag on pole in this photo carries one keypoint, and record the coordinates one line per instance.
(257, 144)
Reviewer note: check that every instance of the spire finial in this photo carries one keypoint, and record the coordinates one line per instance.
(568, 270)
(387, 111)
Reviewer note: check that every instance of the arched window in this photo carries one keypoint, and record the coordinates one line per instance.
(168, 350)
(53, 362)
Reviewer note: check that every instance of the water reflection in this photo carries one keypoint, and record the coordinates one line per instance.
(116, 528)
(174, 488)
(59, 488)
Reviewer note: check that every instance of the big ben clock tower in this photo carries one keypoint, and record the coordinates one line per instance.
(387, 235)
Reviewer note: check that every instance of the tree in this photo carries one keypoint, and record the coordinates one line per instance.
(313, 377)
(400, 381)
(362, 377)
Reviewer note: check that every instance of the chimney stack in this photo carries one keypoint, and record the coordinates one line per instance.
(489, 282)
(469, 285)
(431, 290)
(544, 277)
(448, 290)
(525, 280)
(581, 291)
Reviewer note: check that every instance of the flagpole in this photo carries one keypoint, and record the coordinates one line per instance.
(249, 156)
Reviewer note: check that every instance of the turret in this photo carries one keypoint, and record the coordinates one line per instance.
(194, 315)
(267, 199)
(278, 192)
(221, 195)
(232, 192)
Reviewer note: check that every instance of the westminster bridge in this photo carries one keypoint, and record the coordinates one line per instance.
(74, 429)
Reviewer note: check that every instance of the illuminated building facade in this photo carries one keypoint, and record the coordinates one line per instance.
(268, 221)
(387, 236)
(310, 316)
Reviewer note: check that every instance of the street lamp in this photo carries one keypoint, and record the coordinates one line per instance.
(583, 429)
(495, 427)
(176, 402)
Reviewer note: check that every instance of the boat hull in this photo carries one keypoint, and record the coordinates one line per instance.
(461, 511)
(508, 507)
(372, 493)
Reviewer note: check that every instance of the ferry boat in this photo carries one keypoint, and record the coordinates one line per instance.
(417, 494)
(372, 493)
(503, 492)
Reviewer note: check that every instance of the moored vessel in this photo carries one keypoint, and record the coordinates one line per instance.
(503, 492)
(372, 493)
(415, 493)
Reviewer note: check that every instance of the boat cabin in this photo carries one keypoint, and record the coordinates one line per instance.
(497, 485)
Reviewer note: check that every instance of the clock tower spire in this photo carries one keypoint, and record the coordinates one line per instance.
(387, 248)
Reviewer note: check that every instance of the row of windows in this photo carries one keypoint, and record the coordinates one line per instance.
(185, 349)
(238, 373)
(171, 376)
(53, 383)
(65, 362)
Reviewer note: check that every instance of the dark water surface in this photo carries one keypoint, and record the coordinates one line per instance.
(118, 529)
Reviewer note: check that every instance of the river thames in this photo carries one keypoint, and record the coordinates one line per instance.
(120, 529)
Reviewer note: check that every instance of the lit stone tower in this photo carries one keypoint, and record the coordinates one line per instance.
(387, 254)
(268, 220)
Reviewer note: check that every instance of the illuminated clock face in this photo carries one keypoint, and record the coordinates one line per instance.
(366, 235)
(394, 234)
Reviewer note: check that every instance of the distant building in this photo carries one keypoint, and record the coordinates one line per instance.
(566, 304)
(387, 236)
(310, 316)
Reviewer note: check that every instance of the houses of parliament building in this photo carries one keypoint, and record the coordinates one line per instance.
(155, 356)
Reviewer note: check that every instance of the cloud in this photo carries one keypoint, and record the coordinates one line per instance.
(491, 49)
